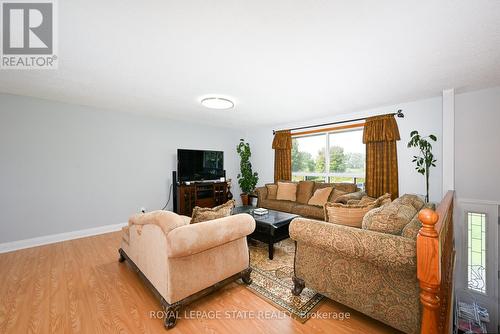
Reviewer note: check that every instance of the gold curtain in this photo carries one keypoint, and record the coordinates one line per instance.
(282, 145)
(380, 136)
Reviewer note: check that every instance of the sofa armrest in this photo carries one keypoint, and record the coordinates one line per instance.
(166, 220)
(261, 194)
(196, 238)
(350, 196)
(384, 250)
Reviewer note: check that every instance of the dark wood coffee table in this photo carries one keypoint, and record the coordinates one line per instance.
(269, 228)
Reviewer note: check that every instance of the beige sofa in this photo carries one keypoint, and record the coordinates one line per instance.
(182, 261)
(370, 269)
(342, 192)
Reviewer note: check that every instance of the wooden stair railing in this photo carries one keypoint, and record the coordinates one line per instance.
(435, 261)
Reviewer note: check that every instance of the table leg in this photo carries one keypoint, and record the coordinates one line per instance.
(271, 248)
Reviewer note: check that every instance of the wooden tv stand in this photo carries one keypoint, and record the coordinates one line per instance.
(203, 194)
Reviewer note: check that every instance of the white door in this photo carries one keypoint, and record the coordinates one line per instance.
(476, 243)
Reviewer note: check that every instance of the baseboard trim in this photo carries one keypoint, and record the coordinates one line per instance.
(53, 238)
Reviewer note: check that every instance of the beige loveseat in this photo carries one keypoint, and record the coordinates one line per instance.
(342, 192)
(370, 269)
(182, 261)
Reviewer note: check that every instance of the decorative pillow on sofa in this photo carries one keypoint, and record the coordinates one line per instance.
(304, 191)
(411, 229)
(320, 196)
(287, 191)
(336, 193)
(349, 196)
(382, 200)
(272, 190)
(206, 214)
(349, 215)
(391, 218)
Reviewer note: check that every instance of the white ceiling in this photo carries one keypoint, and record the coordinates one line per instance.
(279, 60)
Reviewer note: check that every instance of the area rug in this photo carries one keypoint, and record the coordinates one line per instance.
(272, 279)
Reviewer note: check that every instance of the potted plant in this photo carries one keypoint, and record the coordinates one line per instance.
(426, 159)
(247, 179)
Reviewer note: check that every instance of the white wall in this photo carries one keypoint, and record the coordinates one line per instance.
(477, 145)
(423, 115)
(66, 168)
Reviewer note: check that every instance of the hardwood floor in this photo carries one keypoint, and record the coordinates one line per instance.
(79, 286)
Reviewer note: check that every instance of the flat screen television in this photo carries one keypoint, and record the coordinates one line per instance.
(198, 165)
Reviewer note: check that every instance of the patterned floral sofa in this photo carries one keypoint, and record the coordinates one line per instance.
(370, 269)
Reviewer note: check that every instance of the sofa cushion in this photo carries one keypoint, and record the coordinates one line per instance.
(304, 191)
(287, 191)
(320, 196)
(309, 211)
(349, 215)
(320, 185)
(390, 218)
(272, 190)
(278, 205)
(206, 214)
(347, 187)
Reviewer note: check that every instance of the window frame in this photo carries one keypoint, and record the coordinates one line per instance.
(327, 174)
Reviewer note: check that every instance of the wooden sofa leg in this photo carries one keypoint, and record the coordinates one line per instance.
(171, 315)
(298, 286)
(122, 258)
(245, 276)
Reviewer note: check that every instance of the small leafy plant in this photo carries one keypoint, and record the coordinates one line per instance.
(426, 159)
(247, 179)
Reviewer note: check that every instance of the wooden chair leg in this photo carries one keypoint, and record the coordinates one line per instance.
(298, 286)
(171, 315)
(245, 276)
(122, 258)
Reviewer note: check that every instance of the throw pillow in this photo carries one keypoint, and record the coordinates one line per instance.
(287, 191)
(320, 196)
(336, 193)
(390, 218)
(304, 191)
(366, 200)
(272, 190)
(382, 200)
(346, 197)
(348, 215)
(206, 214)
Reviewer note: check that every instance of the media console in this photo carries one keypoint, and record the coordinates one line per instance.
(204, 194)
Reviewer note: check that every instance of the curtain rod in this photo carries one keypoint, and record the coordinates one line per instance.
(399, 114)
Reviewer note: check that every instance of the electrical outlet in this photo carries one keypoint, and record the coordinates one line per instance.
(143, 210)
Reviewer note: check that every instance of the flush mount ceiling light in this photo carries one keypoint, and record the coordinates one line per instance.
(217, 103)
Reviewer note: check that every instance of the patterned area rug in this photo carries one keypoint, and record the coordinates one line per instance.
(272, 279)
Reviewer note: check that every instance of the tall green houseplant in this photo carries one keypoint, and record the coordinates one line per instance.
(425, 160)
(247, 179)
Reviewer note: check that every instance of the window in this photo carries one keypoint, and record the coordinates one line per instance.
(344, 163)
(476, 251)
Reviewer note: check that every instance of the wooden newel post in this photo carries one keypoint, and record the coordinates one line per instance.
(429, 271)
